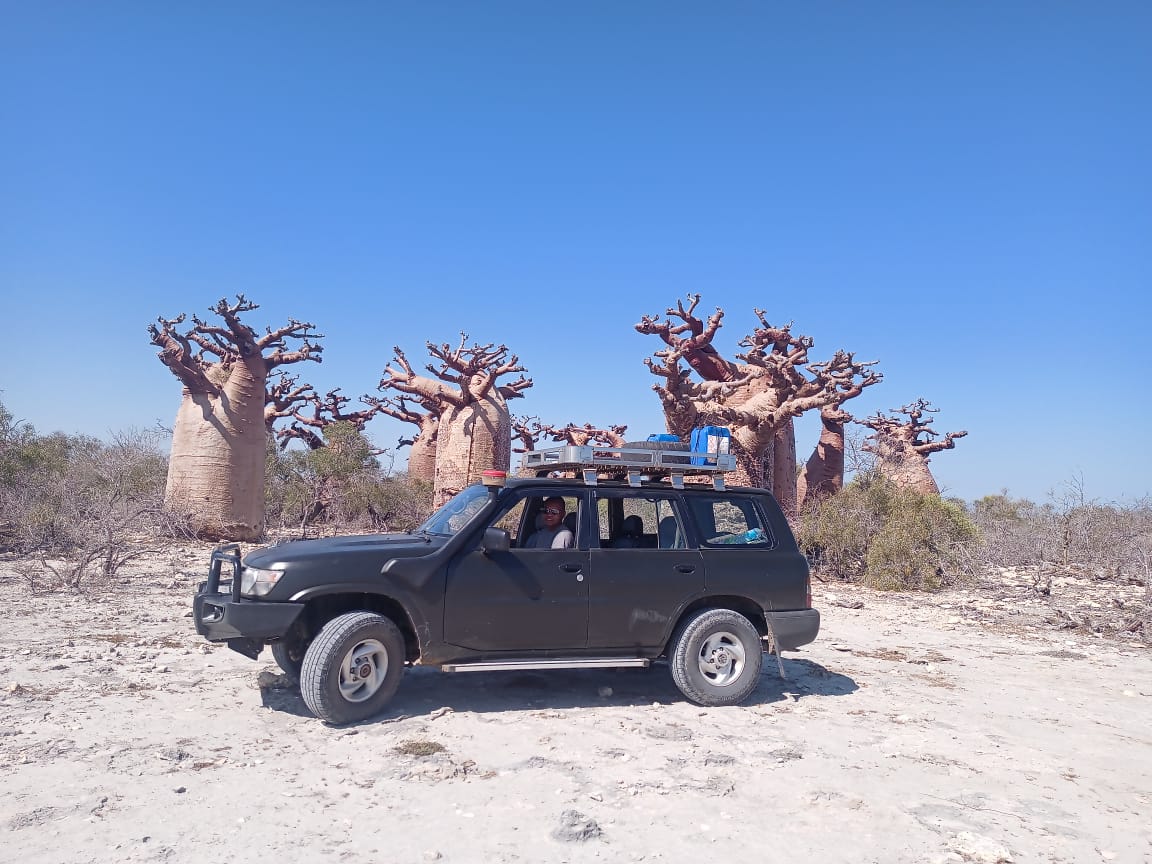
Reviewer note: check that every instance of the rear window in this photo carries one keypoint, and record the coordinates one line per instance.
(729, 521)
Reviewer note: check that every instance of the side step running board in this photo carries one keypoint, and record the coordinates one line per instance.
(560, 663)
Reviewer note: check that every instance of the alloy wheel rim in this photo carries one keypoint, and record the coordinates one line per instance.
(722, 658)
(363, 670)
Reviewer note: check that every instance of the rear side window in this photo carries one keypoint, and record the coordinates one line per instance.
(729, 521)
(638, 522)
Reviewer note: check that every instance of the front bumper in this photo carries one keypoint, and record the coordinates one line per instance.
(793, 629)
(222, 615)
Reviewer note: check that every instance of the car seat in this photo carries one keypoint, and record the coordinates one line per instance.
(631, 532)
(570, 523)
(669, 533)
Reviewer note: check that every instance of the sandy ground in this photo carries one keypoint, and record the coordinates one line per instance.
(948, 728)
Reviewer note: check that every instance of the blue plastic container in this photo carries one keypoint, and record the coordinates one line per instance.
(715, 440)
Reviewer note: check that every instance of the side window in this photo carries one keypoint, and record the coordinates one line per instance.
(512, 520)
(533, 528)
(729, 521)
(638, 522)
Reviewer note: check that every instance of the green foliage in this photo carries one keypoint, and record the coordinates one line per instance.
(1002, 508)
(887, 537)
(341, 485)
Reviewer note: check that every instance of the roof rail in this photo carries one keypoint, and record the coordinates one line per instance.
(633, 463)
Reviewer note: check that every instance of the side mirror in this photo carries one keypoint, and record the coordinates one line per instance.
(496, 540)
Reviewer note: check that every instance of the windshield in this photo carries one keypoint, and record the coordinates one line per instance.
(457, 513)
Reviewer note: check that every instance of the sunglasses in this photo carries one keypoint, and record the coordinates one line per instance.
(552, 511)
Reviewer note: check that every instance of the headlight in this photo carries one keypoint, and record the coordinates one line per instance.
(257, 583)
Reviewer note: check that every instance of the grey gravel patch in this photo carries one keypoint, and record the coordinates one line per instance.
(39, 816)
(575, 827)
(719, 759)
(786, 753)
(1063, 655)
(669, 733)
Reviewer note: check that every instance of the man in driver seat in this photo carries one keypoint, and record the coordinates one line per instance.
(552, 534)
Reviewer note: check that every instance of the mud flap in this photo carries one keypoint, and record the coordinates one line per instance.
(250, 648)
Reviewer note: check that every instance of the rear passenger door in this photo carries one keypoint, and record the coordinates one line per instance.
(638, 584)
(737, 545)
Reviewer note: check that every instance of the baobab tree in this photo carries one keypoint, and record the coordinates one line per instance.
(529, 431)
(525, 430)
(216, 470)
(326, 410)
(474, 431)
(756, 395)
(426, 419)
(577, 435)
(902, 447)
(823, 473)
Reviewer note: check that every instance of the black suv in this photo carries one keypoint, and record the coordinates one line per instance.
(633, 570)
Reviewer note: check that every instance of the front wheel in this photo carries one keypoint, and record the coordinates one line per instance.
(288, 657)
(352, 668)
(715, 657)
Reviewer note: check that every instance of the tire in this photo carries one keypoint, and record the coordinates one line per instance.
(282, 653)
(715, 657)
(662, 445)
(352, 668)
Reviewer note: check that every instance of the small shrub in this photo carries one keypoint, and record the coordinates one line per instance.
(921, 544)
(890, 538)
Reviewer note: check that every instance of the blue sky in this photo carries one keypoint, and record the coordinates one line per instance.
(962, 191)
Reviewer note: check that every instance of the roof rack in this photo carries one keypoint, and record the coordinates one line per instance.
(633, 463)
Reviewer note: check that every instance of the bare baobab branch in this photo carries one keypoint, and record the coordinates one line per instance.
(282, 395)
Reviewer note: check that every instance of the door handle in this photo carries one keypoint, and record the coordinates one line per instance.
(570, 568)
(685, 568)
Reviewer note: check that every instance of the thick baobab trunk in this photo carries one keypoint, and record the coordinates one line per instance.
(823, 474)
(472, 439)
(902, 465)
(784, 467)
(216, 469)
(753, 461)
(422, 456)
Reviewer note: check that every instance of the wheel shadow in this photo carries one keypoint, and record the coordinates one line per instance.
(425, 690)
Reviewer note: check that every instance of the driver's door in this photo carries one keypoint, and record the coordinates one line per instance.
(522, 599)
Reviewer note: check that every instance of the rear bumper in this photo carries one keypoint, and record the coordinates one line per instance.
(793, 629)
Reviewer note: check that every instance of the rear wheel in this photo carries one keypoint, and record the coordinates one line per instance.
(715, 657)
(352, 668)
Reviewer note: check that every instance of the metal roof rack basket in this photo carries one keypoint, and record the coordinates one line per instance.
(635, 464)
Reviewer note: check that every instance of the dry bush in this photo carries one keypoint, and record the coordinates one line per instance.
(86, 508)
(1070, 533)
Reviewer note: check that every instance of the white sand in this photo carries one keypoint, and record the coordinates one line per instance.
(917, 729)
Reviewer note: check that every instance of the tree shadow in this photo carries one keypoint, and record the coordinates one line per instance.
(425, 690)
